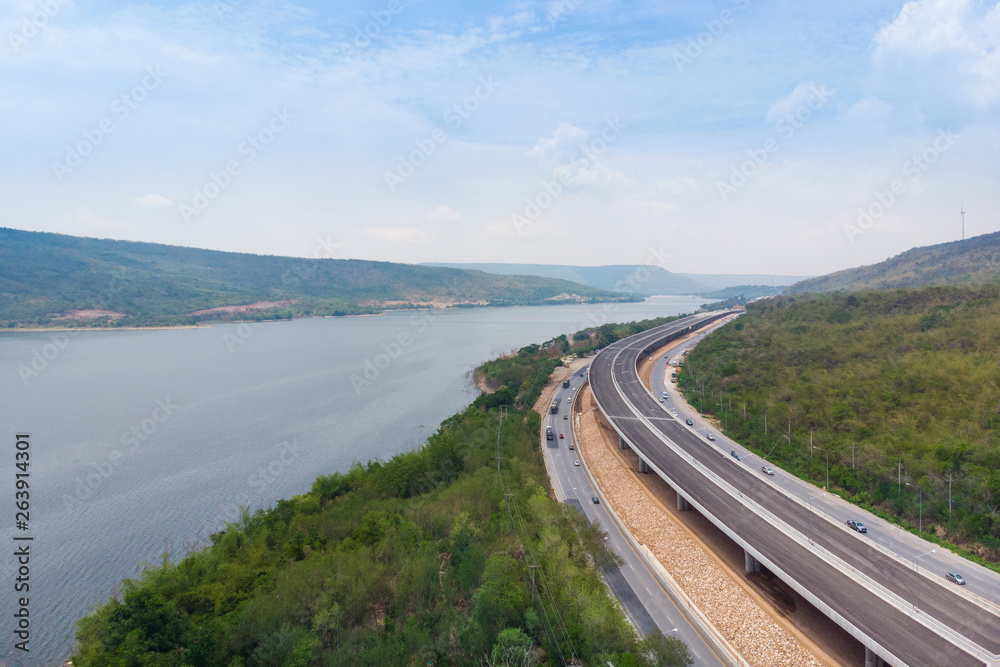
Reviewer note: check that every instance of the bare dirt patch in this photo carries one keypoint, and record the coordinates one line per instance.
(88, 314)
(247, 308)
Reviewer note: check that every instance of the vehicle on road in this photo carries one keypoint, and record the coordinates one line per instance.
(665, 395)
(596, 501)
(549, 433)
(569, 398)
(576, 462)
(565, 416)
(554, 408)
(689, 422)
(711, 437)
(732, 453)
(955, 577)
(766, 470)
(571, 446)
(857, 525)
(561, 437)
(565, 383)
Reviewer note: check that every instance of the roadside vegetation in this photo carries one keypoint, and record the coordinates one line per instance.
(899, 389)
(441, 556)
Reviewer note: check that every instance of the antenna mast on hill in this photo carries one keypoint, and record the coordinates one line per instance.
(963, 222)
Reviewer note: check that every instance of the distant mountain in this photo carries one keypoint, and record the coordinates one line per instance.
(638, 278)
(726, 280)
(46, 278)
(970, 262)
(746, 293)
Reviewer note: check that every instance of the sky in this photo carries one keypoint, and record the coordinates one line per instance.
(706, 137)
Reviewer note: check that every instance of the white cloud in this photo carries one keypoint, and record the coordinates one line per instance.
(395, 234)
(86, 222)
(558, 149)
(442, 214)
(153, 201)
(944, 55)
(810, 95)
(574, 157)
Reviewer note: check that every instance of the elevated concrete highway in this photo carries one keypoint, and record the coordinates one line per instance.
(864, 588)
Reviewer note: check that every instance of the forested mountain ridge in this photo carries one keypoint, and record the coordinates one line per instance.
(974, 261)
(48, 278)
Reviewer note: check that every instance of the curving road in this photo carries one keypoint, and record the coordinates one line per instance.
(860, 585)
(647, 605)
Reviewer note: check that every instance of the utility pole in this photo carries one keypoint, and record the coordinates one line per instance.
(963, 222)
(900, 481)
(950, 480)
(765, 423)
(853, 447)
(744, 409)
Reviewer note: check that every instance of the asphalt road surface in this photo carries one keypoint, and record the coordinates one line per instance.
(646, 603)
(614, 374)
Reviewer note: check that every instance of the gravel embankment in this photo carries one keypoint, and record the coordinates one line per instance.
(749, 628)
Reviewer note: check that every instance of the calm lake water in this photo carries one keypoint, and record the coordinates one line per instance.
(148, 441)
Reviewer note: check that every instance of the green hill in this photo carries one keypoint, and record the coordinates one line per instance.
(45, 277)
(904, 382)
(973, 261)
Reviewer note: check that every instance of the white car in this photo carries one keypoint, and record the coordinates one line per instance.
(711, 437)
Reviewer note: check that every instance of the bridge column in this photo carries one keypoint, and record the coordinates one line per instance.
(621, 443)
(682, 504)
(750, 563)
(872, 660)
(643, 468)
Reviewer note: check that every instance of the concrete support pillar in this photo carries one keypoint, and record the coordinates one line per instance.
(872, 660)
(750, 563)
(621, 443)
(643, 468)
(682, 504)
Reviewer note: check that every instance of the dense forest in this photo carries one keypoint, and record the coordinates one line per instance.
(898, 390)
(44, 277)
(451, 554)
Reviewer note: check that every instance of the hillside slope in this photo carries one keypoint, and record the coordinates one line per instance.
(901, 384)
(973, 261)
(45, 276)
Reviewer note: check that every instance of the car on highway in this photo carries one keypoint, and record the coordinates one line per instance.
(562, 437)
(955, 577)
(576, 462)
(766, 470)
(569, 398)
(596, 500)
(571, 446)
(711, 437)
(689, 422)
(673, 412)
(857, 525)
(565, 416)
(665, 395)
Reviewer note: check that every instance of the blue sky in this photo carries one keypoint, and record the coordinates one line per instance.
(732, 136)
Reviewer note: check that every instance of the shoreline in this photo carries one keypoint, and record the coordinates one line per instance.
(38, 329)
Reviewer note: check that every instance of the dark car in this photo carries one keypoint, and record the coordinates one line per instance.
(689, 422)
(857, 525)
(955, 577)
(565, 416)
(598, 502)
